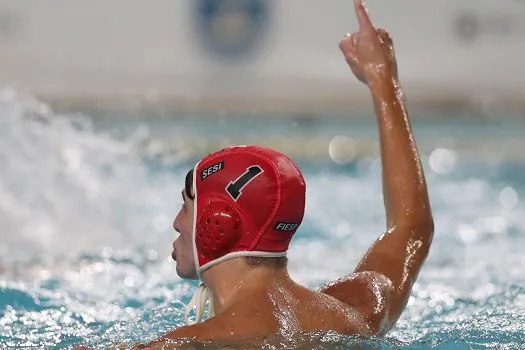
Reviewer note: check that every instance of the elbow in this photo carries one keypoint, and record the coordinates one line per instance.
(420, 228)
(424, 231)
(425, 226)
(428, 227)
(426, 234)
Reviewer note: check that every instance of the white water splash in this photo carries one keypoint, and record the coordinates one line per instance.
(65, 188)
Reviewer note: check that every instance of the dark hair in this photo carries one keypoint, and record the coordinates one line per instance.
(188, 185)
(274, 263)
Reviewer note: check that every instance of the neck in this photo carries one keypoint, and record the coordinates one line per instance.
(229, 281)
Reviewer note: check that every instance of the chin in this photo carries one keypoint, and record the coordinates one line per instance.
(187, 275)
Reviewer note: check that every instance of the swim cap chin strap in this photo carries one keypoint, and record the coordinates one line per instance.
(199, 300)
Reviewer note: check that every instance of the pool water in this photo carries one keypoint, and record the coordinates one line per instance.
(86, 206)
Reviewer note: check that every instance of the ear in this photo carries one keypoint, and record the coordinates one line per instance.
(218, 230)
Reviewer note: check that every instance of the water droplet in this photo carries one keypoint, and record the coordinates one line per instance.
(508, 198)
(129, 282)
(152, 255)
(442, 160)
(342, 149)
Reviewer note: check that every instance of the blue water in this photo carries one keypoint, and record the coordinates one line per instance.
(86, 208)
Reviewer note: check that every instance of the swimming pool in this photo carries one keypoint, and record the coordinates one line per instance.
(86, 211)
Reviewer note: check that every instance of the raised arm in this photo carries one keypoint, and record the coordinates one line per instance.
(381, 283)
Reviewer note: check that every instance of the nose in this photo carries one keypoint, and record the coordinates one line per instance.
(176, 225)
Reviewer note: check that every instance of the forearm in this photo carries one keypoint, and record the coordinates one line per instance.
(404, 187)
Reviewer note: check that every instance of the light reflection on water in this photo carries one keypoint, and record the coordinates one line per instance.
(86, 235)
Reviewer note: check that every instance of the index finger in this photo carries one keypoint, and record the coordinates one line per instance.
(362, 15)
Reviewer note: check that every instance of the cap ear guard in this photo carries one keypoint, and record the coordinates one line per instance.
(218, 229)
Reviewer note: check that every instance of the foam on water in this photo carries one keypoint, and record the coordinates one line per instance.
(65, 189)
(86, 234)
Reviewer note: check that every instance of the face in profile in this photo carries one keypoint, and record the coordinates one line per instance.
(183, 224)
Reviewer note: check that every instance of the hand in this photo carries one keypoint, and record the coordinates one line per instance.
(369, 52)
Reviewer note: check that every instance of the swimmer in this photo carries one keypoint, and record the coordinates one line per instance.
(243, 204)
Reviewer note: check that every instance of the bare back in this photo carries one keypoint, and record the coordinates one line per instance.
(288, 308)
(282, 307)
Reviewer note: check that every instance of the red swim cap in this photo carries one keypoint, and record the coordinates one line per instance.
(249, 201)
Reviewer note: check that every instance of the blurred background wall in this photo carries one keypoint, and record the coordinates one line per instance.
(268, 56)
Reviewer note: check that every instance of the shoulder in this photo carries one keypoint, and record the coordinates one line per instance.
(215, 328)
(226, 326)
(369, 293)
